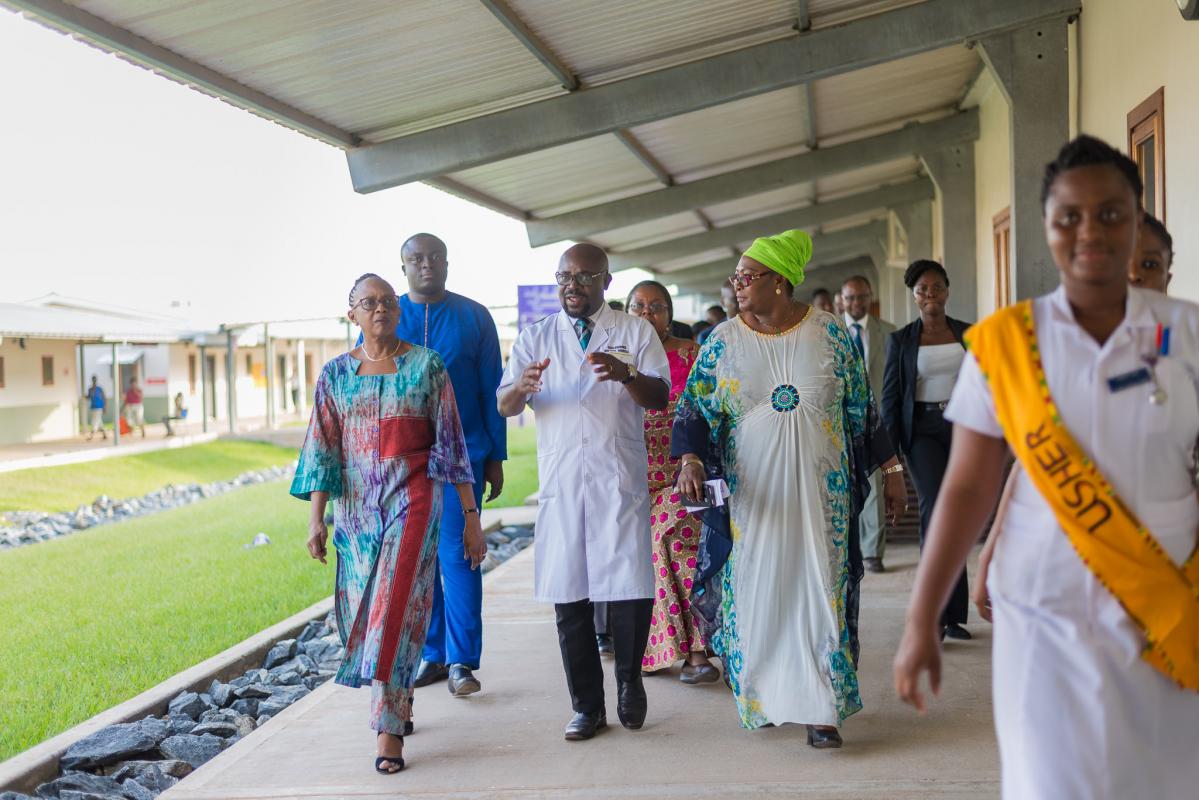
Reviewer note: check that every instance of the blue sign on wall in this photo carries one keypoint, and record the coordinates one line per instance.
(535, 302)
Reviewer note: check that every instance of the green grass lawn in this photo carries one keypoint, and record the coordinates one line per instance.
(94, 618)
(65, 488)
(520, 470)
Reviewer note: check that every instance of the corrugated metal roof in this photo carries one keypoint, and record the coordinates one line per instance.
(759, 205)
(654, 230)
(895, 90)
(859, 180)
(563, 178)
(837, 12)
(694, 260)
(614, 39)
(39, 322)
(730, 136)
(375, 67)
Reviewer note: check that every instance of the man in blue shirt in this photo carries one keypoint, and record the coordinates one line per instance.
(464, 335)
(95, 410)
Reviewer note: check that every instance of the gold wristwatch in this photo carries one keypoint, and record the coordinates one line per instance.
(893, 470)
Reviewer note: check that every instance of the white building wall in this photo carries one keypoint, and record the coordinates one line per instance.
(992, 179)
(1127, 50)
(29, 410)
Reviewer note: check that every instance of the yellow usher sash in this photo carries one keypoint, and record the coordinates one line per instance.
(1161, 597)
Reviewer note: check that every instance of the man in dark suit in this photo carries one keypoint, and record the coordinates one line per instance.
(869, 336)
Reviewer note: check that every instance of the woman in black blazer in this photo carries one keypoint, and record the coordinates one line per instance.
(923, 360)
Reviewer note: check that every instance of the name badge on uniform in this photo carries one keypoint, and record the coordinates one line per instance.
(1127, 380)
(620, 351)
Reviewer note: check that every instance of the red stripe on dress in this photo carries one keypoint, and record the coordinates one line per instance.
(412, 541)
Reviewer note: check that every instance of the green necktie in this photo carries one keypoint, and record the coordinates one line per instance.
(583, 331)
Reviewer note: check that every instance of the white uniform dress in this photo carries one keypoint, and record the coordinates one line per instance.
(593, 530)
(1079, 714)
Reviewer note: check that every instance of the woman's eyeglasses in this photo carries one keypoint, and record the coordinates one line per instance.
(741, 280)
(369, 304)
(653, 308)
(581, 278)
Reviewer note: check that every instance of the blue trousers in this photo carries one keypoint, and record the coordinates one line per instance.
(456, 619)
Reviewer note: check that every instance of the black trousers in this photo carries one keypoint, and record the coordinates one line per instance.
(928, 458)
(628, 624)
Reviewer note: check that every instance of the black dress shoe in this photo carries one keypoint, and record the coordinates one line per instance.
(874, 565)
(430, 672)
(823, 738)
(956, 631)
(462, 681)
(583, 726)
(604, 642)
(631, 703)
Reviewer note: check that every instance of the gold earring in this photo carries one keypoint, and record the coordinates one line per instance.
(778, 289)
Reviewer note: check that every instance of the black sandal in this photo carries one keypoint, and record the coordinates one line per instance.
(398, 761)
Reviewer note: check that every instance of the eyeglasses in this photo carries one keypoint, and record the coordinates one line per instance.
(741, 280)
(581, 278)
(653, 308)
(369, 304)
(855, 298)
(936, 290)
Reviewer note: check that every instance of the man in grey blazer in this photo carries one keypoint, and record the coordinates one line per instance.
(869, 335)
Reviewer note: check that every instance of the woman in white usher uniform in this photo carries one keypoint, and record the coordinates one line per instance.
(1095, 696)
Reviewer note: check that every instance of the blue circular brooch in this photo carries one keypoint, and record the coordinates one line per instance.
(784, 398)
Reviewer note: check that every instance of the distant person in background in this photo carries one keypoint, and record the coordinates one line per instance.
(699, 328)
(135, 412)
(869, 337)
(179, 413)
(95, 410)
(616, 305)
(383, 441)
(1153, 258)
(463, 333)
(713, 317)
(838, 304)
(728, 301)
(923, 360)
(674, 633)
(823, 299)
(681, 330)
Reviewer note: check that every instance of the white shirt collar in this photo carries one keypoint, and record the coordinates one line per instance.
(850, 321)
(1137, 310)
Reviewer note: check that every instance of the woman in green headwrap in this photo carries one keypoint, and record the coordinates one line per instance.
(778, 404)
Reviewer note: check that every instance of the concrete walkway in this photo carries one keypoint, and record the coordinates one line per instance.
(507, 741)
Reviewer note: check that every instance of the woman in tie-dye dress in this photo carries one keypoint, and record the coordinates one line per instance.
(383, 439)
(674, 634)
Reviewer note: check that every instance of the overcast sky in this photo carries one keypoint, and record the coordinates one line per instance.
(124, 187)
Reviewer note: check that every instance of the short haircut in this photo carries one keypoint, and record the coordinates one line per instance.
(861, 278)
(655, 285)
(921, 266)
(717, 309)
(821, 292)
(415, 236)
(1159, 229)
(616, 305)
(1087, 151)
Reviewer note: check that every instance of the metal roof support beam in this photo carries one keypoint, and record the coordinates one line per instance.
(451, 186)
(689, 87)
(805, 217)
(71, 19)
(645, 157)
(512, 21)
(909, 140)
(1031, 66)
(825, 247)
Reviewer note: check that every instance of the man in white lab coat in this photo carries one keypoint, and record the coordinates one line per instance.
(589, 372)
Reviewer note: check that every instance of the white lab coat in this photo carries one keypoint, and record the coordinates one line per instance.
(593, 528)
(1079, 714)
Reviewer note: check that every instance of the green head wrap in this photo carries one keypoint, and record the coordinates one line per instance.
(786, 253)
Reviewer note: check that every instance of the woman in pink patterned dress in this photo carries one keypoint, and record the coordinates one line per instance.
(674, 633)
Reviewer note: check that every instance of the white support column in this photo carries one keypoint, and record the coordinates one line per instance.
(204, 379)
(116, 397)
(268, 352)
(952, 169)
(231, 380)
(301, 380)
(1031, 65)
